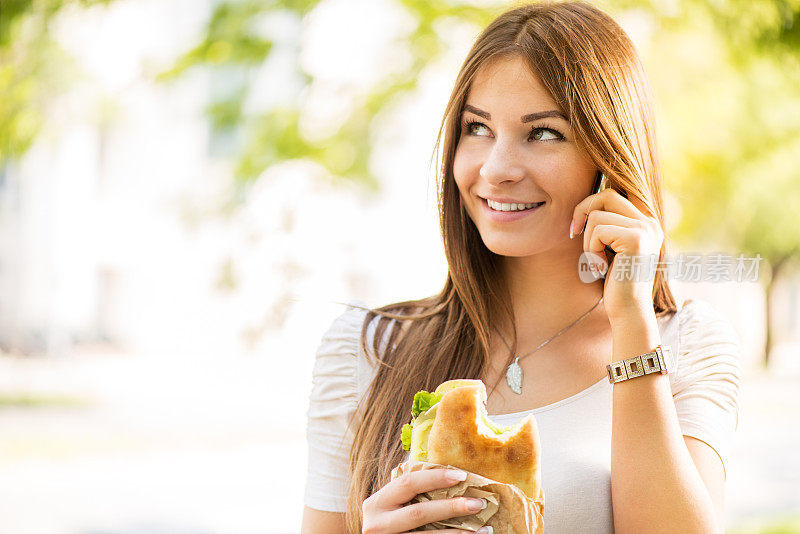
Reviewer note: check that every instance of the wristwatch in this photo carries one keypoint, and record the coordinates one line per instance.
(657, 361)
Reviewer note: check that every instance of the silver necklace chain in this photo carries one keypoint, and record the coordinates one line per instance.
(514, 371)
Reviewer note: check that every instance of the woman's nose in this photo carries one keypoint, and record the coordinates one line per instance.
(503, 164)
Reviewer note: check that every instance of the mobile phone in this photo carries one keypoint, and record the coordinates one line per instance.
(599, 185)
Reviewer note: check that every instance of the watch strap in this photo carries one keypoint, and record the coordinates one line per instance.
(657, 361)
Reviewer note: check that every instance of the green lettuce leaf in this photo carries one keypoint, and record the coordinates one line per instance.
(423, 401)
(405, 436)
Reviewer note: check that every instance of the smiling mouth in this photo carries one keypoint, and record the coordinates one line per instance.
(511, 208)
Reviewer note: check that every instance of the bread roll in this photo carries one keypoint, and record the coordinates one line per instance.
(463, 436)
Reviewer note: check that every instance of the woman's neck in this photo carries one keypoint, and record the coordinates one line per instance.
(547, 294)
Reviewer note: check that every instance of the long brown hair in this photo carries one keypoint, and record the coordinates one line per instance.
(591, 69)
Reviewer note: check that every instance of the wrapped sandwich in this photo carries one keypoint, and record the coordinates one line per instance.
(450, 428)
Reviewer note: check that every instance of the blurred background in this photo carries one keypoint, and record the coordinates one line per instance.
(190, 188)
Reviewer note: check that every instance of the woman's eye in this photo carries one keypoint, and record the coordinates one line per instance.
(471, 125)
(539, 133)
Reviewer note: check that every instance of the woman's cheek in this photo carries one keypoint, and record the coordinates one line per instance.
(459, 169)
(463, 181)
(467, 206)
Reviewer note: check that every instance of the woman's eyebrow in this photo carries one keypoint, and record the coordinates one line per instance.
(525, 118)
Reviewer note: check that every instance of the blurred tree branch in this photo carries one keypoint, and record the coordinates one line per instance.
(33, 69)
(274, 136)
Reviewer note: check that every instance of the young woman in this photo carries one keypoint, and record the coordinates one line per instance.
(550, 96)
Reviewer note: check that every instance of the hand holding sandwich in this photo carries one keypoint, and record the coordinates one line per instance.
(464, 472)
(385, 511)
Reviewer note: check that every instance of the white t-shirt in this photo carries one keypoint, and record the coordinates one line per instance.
(575, 433)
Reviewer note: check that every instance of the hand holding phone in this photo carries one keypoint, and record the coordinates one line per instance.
(630, 226)
(599, 185)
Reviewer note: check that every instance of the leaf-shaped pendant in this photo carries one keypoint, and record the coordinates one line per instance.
(514, 377)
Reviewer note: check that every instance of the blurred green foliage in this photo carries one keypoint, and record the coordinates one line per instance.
(229, 38)
(232, 40)
(727, 75)
(29, 400)
(33, 69)
(786, 525)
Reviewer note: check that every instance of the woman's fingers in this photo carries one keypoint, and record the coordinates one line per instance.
(597, 217)
(407, 486)
(387, 509)
(607, 200)
(614, 236)
(421, 513)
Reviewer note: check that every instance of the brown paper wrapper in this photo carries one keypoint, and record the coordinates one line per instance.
(508, 510)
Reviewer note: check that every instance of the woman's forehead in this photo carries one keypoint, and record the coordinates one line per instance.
(508, 81)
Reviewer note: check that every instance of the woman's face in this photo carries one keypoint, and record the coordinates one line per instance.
(507, 156)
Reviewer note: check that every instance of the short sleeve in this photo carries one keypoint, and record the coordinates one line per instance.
(333, 400)
(709, 377)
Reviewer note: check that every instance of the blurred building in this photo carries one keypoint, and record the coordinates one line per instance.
(90, 221)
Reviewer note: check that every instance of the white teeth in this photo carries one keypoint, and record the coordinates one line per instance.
(510, 207)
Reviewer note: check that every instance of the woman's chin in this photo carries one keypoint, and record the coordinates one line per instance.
(506, 248)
